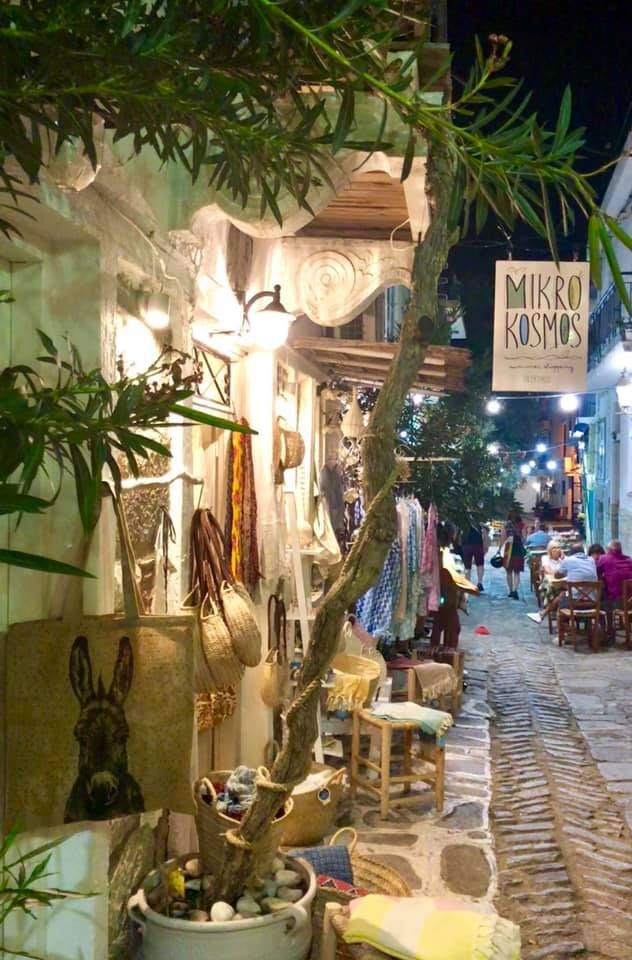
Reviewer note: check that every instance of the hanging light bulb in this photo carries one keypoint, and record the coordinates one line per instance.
(525, 469)
(352, 425)
(569, 402)
(540, 447)
(493, 406)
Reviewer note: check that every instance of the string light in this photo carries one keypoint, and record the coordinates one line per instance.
(525, 469)
(551, 465)
(540, 448)
(569, 403)
(493, 406)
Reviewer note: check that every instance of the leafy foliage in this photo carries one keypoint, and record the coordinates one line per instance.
(451, 427)
(20, 881)
(258, 94)
(79, 426)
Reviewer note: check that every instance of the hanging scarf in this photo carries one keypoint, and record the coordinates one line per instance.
(430, 561)
(241, 511)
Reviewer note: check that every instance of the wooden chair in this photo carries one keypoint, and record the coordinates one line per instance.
(580, 612)
(535, 575)
(432, 752)
(621, 615)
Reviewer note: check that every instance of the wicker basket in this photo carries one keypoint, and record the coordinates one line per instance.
(314, 811)
(368, 874)
(212, 709)
(212, 826)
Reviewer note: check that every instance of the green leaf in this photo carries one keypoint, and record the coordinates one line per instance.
(619, 232)
(48, 344)
(594, 249)
(33, 561)
(613, 263)
(408, 156)
(564, 119)
(88, 489)
(13, 500)
(344, 119)
(190, 413)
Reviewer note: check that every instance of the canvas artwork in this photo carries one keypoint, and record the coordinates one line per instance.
(100, 719)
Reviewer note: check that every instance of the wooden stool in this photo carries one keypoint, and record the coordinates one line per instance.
(381, 787)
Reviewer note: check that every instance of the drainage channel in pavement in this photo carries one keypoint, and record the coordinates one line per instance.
(564, 851)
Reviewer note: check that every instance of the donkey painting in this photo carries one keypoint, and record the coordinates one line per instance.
(103, 789)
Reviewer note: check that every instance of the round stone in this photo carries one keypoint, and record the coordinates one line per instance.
(199, 916)
(222, 912)
(193, 868)
(465, 869)
(287, 878)
(247, 905)
(291, 894)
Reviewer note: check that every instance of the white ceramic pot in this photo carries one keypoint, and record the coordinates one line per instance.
(277, 936)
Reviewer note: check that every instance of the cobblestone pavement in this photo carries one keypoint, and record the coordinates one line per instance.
(562, 782)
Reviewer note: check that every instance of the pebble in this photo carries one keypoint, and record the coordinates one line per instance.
(193, 868)
(287, 878)
(291, 894)
(277, 864)
(248, 906)
(222, 912)
(201, 916)
(208, 882)
(273, 904)
(270, 887)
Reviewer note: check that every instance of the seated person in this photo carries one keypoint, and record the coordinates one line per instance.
(573, 568)
(613, 567)
(549, 568)
(539, 539)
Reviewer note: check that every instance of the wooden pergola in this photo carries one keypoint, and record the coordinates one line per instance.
(366, 362)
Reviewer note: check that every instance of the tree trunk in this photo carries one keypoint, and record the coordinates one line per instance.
(366, 558)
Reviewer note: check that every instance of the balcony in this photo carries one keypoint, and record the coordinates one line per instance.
(610, 323)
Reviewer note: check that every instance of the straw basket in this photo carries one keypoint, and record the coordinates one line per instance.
(212, 826)
(314, 811)
(212, 709)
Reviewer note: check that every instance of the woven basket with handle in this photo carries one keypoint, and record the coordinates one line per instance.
(314, 810)
(212, 825)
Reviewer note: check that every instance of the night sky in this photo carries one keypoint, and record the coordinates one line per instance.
(556, 42)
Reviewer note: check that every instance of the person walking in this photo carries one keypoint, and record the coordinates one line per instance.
(514, 552)
(475, 545)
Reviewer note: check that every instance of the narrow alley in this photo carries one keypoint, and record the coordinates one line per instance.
(561, 810)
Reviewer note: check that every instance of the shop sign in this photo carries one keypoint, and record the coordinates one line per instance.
(541, 314)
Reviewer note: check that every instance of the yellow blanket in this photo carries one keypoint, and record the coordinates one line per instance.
(423, 928)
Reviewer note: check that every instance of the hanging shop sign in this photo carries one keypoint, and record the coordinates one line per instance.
(541, 313)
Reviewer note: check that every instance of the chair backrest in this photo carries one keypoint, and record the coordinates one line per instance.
(584, 594)
(626, 595)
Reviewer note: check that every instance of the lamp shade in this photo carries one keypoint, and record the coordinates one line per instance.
(624, 394)
(268, 328)
(352, 425)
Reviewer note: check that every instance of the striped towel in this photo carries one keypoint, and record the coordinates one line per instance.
(423, 928)
(434, 722)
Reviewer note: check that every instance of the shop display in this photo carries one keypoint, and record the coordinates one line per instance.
(99, 713)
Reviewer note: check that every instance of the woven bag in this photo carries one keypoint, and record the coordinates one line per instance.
(241, 623)
(212, 577)
(275, 683)
(217, 645)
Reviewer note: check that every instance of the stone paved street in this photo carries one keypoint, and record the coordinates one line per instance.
(539, 789)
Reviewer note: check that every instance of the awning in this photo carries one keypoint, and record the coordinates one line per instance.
(366, 362)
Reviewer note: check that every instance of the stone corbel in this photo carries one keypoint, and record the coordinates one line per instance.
(332, 281)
